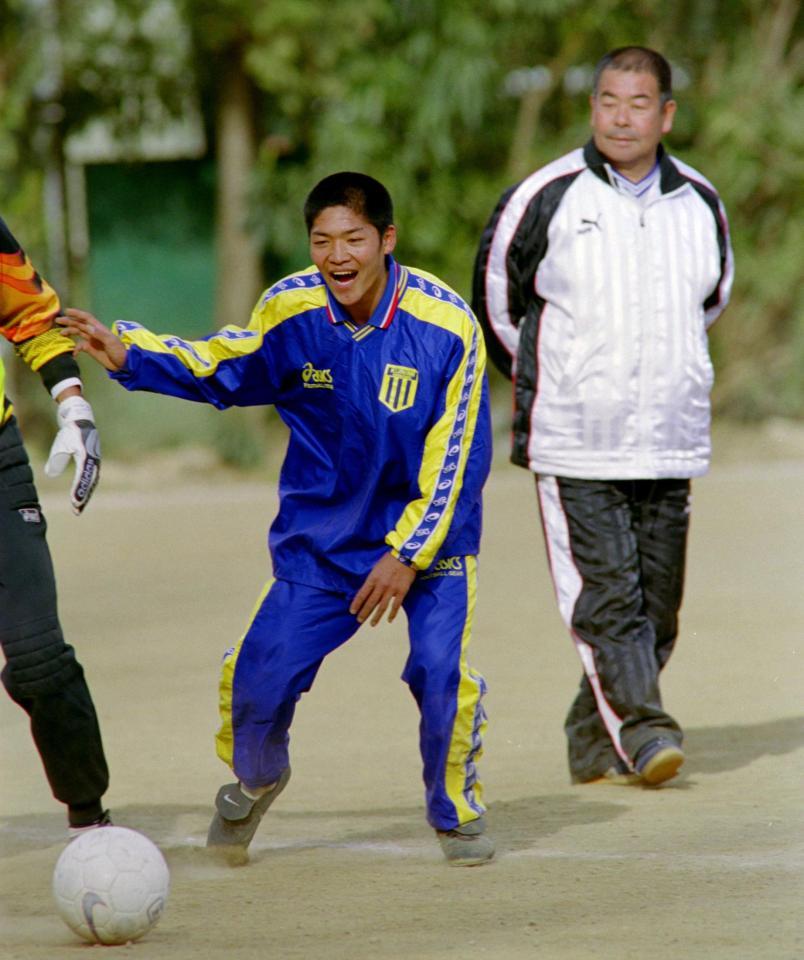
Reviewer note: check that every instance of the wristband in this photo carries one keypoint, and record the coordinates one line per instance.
(62, 385)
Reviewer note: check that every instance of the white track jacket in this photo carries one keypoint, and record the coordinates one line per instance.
(599, 307)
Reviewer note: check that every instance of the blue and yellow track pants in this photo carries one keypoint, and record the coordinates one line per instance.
(295, 626)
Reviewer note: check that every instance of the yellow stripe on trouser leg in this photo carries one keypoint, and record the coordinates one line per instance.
(470, 720)
(224, 739)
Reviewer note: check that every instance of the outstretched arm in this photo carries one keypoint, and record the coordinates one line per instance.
(230, 367)
(93, 338)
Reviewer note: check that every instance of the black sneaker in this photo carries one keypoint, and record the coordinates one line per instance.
(76, 830)
(658, 760)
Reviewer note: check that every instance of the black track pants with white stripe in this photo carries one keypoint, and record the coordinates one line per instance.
(616, 551)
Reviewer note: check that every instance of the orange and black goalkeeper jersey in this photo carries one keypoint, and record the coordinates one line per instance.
(28, 307)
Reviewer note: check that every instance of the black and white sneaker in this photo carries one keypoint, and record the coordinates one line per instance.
(237, 817)
(77, 830)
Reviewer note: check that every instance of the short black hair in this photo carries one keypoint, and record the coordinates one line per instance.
(640, 60)
(357, 191)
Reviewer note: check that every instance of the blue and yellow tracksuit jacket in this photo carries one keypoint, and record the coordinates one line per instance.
(390, 435)
(28, 307)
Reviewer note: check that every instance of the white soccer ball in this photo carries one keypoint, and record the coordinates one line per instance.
(110, 885)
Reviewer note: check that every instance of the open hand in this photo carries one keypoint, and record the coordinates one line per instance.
(93, 338)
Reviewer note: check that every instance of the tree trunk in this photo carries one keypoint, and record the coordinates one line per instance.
(239, 270)
(530, 109)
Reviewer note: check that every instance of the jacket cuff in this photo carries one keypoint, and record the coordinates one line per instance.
(403, 559)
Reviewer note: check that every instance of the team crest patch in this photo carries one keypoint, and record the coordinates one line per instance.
(398, 387)
(30, 514)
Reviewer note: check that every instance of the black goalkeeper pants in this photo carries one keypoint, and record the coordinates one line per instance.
(617, 554)
(41, 673)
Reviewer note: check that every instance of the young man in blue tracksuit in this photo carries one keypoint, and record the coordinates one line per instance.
(378, 370)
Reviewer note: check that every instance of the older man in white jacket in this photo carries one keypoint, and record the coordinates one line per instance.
(596, 281)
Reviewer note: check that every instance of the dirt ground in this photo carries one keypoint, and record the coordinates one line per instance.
(160, 576)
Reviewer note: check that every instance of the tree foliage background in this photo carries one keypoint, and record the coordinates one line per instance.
(447, 102)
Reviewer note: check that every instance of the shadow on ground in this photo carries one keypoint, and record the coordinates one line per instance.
(516, 824)
(180, 830)
(718, 749)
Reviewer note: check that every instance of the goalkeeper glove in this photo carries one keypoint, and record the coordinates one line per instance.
(78, 439)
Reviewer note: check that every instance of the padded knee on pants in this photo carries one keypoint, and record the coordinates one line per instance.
(39, 662)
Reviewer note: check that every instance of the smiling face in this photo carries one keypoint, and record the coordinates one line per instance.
(629, 119)
(350, 254)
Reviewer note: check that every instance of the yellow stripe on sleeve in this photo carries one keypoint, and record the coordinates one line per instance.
(425, 522)
(202, 357)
